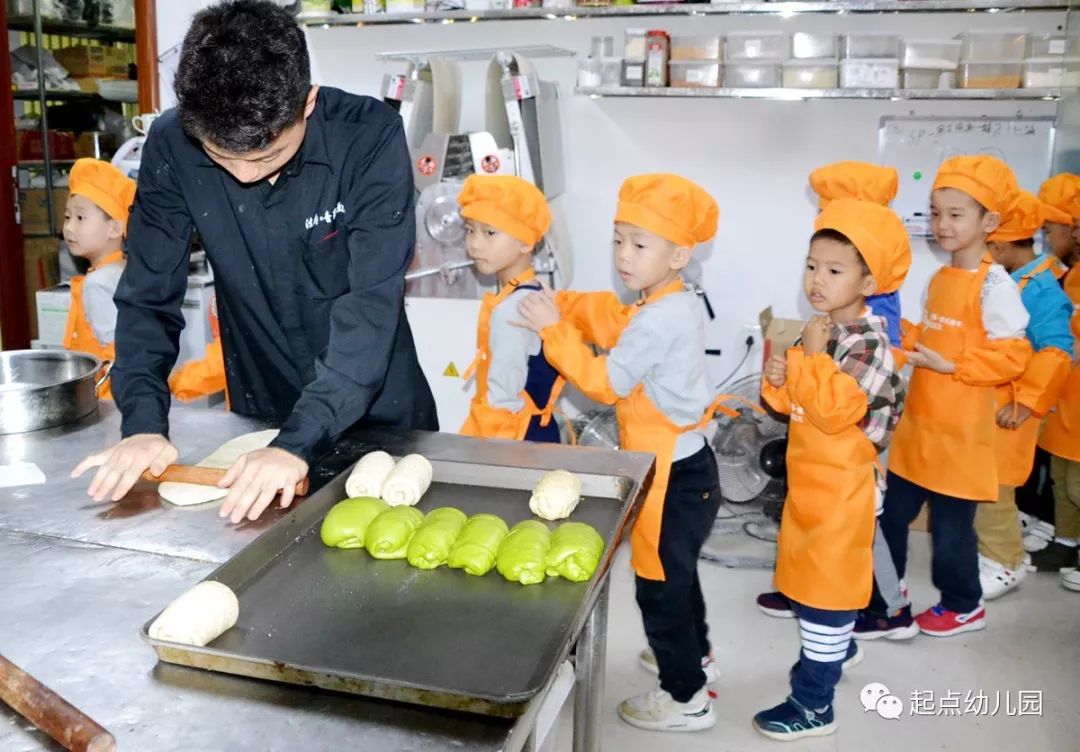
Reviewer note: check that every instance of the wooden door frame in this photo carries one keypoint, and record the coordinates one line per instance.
(146, 54)
(14, 316)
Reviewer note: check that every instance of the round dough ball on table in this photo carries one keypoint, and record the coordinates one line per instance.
(556, 495)
(408, 482)
(369, 475)
(199, 616)
(222, 458)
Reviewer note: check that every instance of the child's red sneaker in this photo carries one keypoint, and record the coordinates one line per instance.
(937, 621)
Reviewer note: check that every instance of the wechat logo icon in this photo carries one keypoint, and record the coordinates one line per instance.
(876, 696)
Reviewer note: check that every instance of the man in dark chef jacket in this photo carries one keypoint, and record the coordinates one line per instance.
(303, 198)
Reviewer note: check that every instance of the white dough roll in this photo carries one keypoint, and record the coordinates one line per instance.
(369, 475)
(556, 495)
(199, 616)
(409, 481)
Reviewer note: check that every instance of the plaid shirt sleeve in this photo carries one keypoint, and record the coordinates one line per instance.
(866, 356)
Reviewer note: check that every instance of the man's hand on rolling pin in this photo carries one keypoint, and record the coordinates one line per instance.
(120, 467)
(256, 478)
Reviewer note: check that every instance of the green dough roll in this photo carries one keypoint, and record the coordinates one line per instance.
(347, 521)
(575, 552)
(523, 553)
(389, 535)
(430, 547)
(476, 547)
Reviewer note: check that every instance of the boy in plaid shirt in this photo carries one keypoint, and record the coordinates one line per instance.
(845, 395)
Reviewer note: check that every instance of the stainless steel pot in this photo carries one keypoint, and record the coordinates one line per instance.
(45, 388)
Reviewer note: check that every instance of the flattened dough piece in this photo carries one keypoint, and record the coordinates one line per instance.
(199, 616)
(409, 481)
(556, 495)
(222, 458)
(369, 475)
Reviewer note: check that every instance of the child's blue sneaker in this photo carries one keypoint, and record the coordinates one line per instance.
(791, 720)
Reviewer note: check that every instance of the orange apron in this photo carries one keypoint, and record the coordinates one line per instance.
(79, 335)
(642, 426)
(485, 420)
(945, 441)
(1037, 389)
(1061, 436)
(824, 555)
(201, 378)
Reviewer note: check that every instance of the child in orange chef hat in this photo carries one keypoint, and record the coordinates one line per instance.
(844, 393)
(655, 375)
(95, 222)
(516, 388)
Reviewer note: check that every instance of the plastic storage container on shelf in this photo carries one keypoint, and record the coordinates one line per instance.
(1051, 72)
(752, 75)
(693, 47)
(993, 46)
(876, 73)
(634, 44)
(937, 54)
(874, 45)
(756, 45)
(633, 73)
(806, 46)
(693, 73)
(811, 74)
(990, 74)
(1050, 45)
(927, 78)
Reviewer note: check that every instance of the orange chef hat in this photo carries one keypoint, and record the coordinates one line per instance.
(878, 235)
(676, 209)
(986, 179)
(1026, 218)
(508, 203)
(861, 180)
(1063, 193)
(111, 190)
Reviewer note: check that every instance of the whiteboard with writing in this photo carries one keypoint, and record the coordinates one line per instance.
(915, 146)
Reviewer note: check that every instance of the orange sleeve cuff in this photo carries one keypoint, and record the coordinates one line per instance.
(565, 349)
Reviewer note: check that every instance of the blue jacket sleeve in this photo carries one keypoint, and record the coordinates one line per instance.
(888, 307)
(1050, 310)
(150, 294)
(350, 371)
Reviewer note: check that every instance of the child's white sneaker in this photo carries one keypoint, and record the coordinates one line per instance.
(1038, 536)
(659, 711)
(1070, 579)
(996, 579)
(647, 659)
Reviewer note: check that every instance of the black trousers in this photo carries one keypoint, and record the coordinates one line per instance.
(673, 611)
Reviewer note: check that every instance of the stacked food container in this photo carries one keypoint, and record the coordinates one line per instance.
(812, 62)
(930, 63)
(754, 59)
(1051, 60)
(991, 59)
(870, 61)
(695, 60)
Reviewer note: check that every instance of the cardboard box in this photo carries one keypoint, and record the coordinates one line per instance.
(779, 334)
(86, 61)
(41, 263)
(34, 209)
(53, 304)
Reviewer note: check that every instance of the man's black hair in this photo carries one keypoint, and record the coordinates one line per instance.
(244, 75)
(838, 237)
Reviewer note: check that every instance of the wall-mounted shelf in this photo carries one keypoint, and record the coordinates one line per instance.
(31, 95)
(801, 94)
(652, 10)
(81, 31)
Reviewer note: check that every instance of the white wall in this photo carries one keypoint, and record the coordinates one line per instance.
(753, 156)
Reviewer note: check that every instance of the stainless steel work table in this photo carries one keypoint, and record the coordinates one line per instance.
(77, 580)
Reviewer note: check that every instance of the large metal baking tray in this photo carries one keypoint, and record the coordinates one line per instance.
(340, 620)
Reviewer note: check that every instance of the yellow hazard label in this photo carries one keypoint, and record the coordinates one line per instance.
(451, 371)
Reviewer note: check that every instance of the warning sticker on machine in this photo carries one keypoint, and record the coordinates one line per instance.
(451, 371)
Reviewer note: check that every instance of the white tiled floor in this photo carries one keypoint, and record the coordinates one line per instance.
(1032, 642)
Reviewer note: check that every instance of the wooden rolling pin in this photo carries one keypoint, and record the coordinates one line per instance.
(202, 476)
(50, 712)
